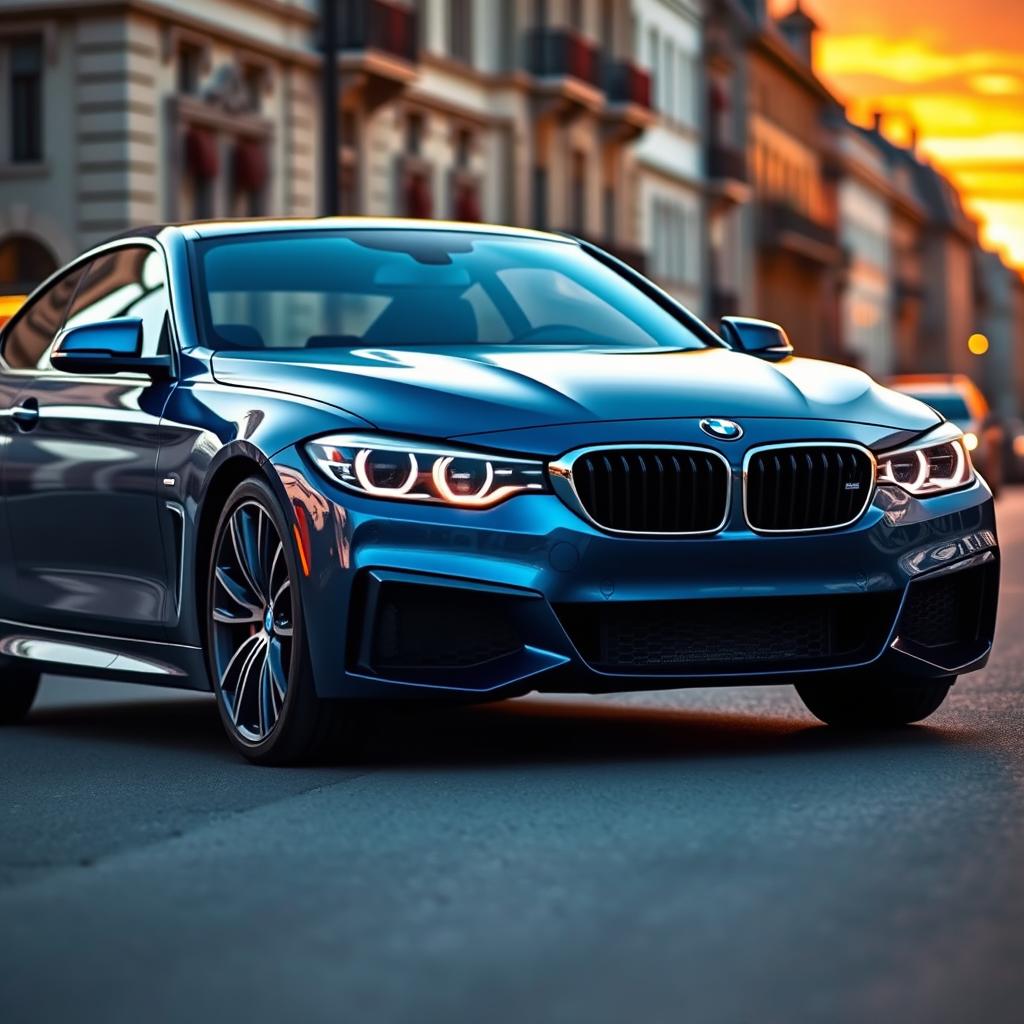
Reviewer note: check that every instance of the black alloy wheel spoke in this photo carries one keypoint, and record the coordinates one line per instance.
(251, 621)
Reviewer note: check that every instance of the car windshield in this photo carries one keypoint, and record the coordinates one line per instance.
(950, 405)
(399, 287)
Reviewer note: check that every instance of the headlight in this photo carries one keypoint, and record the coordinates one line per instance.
(940, 462)
(411, 471)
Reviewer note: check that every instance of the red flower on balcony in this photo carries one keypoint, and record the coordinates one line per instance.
(419, 198)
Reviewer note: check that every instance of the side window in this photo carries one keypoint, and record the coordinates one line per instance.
(125, 282)
(29, 336)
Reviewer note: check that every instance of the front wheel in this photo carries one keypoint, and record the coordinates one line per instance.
(861, 701)
(256, 641)
(18, 689)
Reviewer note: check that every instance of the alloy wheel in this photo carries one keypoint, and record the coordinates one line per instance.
(251, 621)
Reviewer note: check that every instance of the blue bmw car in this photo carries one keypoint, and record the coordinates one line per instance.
(320, 466)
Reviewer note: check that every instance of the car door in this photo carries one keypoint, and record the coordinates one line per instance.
(25, 339)
(79, 468)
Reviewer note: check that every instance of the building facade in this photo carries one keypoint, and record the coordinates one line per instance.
(140, 111)
(690, 137)
(146, 112)
(729, 27)
(794, 170)
(866, 235)
(670, 155)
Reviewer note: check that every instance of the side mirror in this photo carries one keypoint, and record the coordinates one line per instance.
(756, 337)
(111, 346)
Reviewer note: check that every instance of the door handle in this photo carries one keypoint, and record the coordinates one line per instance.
(26, 415)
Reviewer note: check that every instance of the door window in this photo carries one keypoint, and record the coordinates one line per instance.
(125, 282)
(28, 337)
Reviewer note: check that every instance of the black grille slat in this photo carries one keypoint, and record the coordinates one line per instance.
(653, 490)
(809, 491)
(659, 502)
(807, 487)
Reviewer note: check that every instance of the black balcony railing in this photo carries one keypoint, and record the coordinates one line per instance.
(562, 53)
(628, 83)
(378, 25)
(724, 162)
(779, 219)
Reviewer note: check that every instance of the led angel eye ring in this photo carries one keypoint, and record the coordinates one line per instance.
(441, 467)
(370, 487)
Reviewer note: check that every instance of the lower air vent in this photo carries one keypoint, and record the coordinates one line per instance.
(424, 627)
(733, 635)
(947, 610)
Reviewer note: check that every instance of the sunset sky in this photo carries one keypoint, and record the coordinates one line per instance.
(956, 67)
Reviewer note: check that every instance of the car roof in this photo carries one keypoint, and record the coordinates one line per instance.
(253, 225)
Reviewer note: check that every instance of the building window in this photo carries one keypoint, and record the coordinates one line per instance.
(576, 15)
(201, 171)
(414, 134)
(608, 25)
(609, 213)
(540, 197)
(460, 30)
(254, 81)
(687, 90)
(348, 185)
(463, 148)
(26, 57)
(671, 107)
(654, 63)
(190, 68)
(672, 243)
(578, 193)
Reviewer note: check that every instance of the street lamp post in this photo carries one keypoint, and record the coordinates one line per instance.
(329, 103)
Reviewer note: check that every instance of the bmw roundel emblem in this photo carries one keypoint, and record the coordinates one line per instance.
(726, 430)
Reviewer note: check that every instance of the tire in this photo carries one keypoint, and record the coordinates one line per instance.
(256, 645)
(18, 689)
(865, 702)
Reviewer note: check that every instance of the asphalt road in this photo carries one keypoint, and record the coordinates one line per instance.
(687, 856)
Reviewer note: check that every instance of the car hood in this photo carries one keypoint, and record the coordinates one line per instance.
(446, 392)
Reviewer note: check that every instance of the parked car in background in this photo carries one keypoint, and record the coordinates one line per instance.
(1013, 450)
(958, 399)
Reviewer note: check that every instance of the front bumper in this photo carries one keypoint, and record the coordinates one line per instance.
(425, 600)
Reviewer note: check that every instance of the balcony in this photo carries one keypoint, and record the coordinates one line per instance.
(379, 47)
(780, 226)
(566, 69)
(629, 110)
(727, 174)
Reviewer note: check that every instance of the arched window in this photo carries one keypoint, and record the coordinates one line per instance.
(24, 263)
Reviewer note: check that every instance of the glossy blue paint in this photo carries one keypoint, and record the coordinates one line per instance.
(449, 392)
(108, 496)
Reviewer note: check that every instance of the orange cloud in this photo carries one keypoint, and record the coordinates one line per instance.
(959, 79)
